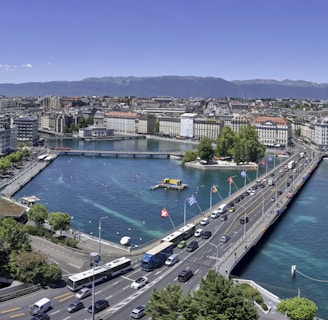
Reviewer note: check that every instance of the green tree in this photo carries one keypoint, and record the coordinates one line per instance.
(217, 298)
(59, 221)
(156, 128)
(32, 267)
(13, 238)
(169, 304)
(205, 149)
(225, 142)
(298, 308)
(189, 156)
(38, 213)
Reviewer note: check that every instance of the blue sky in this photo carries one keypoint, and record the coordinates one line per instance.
(54, 40)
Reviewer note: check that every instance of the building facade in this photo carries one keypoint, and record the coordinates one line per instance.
(27, 130)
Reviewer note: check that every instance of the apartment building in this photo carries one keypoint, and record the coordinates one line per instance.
(321, 133)
(27, 129)
(273, 131)
(146, 123)
(5, 136)
(124, 122)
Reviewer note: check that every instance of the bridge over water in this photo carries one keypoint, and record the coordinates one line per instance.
(121, 153)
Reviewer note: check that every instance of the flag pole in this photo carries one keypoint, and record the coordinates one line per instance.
(211, 191)
(184, 213)
(172, 222)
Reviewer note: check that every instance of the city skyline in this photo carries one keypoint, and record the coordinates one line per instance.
(234, 40)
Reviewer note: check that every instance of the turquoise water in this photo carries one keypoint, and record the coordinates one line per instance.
(89, 188)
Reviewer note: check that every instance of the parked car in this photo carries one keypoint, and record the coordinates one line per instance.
(198, 233)
(206, 234)
(139, 283)
(99, 306)
(182, 244)
(225, 238)
(138, 312)
(192, 246)
(41, 316)
(83, 293)
(76, 305)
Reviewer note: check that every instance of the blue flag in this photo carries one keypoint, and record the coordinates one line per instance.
(243, 174)
(192, 200)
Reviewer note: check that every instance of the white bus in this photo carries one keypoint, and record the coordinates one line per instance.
(188, 230)
(98, 274)
(174, 237)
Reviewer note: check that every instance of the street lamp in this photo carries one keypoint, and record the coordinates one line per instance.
(217, 255)
(94, 261)
(99, 229)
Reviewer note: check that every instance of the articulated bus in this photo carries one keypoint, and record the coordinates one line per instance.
(188, 230)
(174, 237)
(98, 274)
(183, 233)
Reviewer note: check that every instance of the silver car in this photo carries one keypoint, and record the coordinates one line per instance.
(138, 312)
(83, 293)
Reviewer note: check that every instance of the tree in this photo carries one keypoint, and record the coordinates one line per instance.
(32, 267)
(59, 221)
(169, 304)
(13, 238)
(216, 299)
(189, 156)
(225, 142)
(298, 308)
(205, 149)
(38, 213)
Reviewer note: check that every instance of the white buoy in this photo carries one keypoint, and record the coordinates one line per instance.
(293, 270)
(125, 240)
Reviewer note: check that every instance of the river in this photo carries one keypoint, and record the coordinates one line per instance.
(92, 187)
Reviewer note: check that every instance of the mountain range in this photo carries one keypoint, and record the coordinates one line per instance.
(172, 86)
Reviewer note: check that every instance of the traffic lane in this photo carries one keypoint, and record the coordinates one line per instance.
(66, 256)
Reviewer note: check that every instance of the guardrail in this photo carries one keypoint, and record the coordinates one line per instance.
(12, 292)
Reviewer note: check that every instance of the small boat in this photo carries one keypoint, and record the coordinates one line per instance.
(125, 241)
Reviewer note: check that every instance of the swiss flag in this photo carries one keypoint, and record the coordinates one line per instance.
(230, 181)
(164, 213)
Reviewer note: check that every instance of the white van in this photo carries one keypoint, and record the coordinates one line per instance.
(223, 208)
(172, 259)
(215, 214)
(42, 305)
(205, 221)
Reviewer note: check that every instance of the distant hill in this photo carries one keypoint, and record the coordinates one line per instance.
(173, 86)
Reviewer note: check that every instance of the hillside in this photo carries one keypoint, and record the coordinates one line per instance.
(174, 86)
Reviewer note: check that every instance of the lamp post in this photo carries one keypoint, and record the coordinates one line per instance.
(217, 255)
(99, 230)
(94, 261)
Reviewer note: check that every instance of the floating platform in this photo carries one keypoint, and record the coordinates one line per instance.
(170, 186)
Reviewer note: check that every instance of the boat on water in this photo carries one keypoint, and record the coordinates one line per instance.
(168, 183)
(125, 241)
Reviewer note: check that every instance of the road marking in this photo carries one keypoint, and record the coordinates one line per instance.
(126, 278)
(55, 312)
(74, 265)
(63, 295)
(17, 315)
(10, 310)
(109, 297)
(66, 298)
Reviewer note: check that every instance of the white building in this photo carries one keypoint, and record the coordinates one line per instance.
(124, 122)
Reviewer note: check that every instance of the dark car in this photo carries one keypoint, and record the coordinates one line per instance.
(76, 305)
(192, 246)
(244, 220)
(185, 275)
(206, 234)
(99, 305)
(41, 316)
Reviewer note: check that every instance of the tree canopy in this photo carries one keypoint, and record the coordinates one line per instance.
(38, 213)
(59, 221)
(216, 299)
(205, 149)
(13, 238)
(298, 308)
